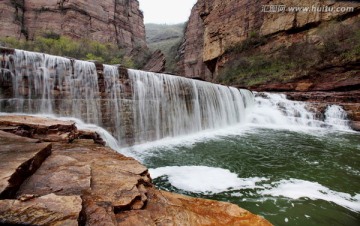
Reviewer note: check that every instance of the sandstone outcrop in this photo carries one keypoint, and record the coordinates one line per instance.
(191, 62)
(79, 182)
(156, 63)
(108, 21)
(215, 26)
(46, 210)
(20, 157)
(223, 36)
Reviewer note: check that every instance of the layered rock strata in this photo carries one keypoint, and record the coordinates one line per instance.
(84, 183)
(215, 26)
(108, 21)
(156, 63)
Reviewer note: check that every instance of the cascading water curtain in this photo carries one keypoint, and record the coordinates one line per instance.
(49, 84)
(166, 105)
(143, 107)
(114, 100)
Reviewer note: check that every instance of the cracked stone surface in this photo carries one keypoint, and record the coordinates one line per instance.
(20, 157)
(85, 183)
(46, 210)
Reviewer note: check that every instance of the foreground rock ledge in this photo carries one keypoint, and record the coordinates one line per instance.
(53, 175)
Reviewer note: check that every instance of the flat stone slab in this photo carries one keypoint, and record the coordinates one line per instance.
(33, 121)
(59, 174)
(9, 138)
(83, 166)
(20, 158)
(46, 210)
(44, 129)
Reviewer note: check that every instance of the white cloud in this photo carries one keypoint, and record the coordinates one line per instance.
(166, 11)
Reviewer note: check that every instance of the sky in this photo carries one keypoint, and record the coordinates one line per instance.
(166, 11)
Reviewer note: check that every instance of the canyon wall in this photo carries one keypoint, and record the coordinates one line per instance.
(109, 21)
(215, 28)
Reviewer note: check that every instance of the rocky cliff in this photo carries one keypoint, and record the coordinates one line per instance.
(156, 63)
(242, 42)
(110, 21)
(54, 174)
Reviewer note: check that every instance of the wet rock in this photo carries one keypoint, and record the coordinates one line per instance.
(355, 125)
(87, 134)
(47, 210)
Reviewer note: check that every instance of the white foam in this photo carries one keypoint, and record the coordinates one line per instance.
(203, 179)
(145, 150)
(142, 151)
(296, 189)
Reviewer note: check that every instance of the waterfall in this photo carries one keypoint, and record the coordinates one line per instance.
(113, 88)
(336, 117)
(169, 106)
(274, 110)
(49, 84)
(135, 108)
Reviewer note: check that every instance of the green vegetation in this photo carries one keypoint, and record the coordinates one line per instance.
(253, 64)
(167, 38)
(254, 40)
(256, 69)
(55, 44)
(160, 32)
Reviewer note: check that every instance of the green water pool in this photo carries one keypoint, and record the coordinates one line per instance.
(307, 178)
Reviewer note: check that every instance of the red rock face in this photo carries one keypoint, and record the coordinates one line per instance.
(216, 25)
(191, 61)
(156, 62)
(118, 22)
(213, 26)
